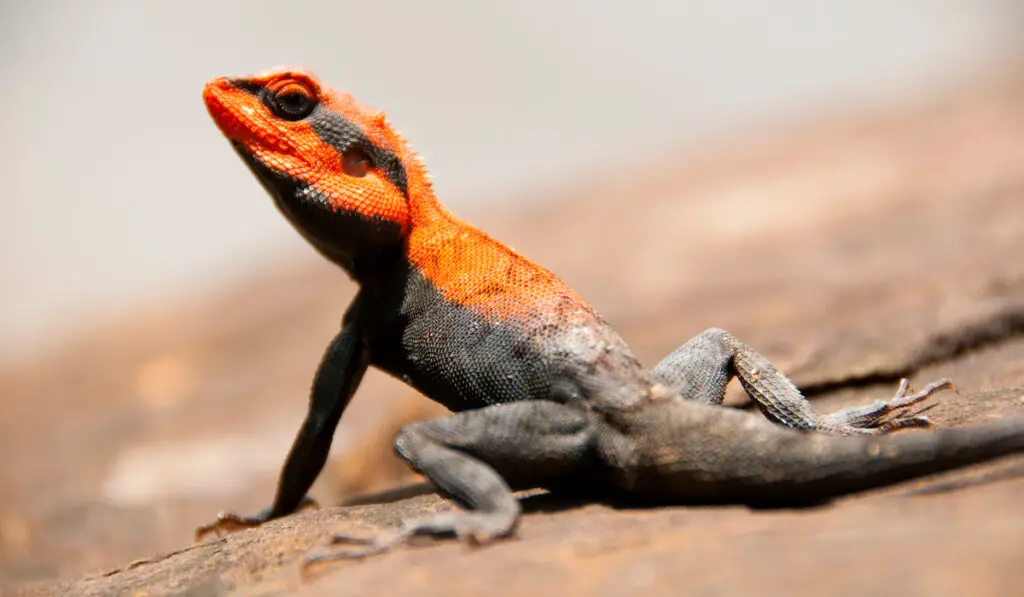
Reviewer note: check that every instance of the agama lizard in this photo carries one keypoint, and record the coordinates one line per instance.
(545, 393)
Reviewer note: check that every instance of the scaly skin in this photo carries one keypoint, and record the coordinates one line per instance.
(546, 393)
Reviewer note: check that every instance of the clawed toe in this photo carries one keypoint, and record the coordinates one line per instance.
(890, 415)
(228, 522)
(371, 545)
(897, 413)
(473, 528)
(368, 546)
(904, 423)
(901, 400)
(902, 419)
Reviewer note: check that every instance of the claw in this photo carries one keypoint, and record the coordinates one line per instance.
(901, 400)
(475, 533)
(904, 410)
(229, 522)
(905, 423)
(920, 411)
(898, 414)
(372, 546)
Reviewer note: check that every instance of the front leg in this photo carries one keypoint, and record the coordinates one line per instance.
(336, 379)
(476, 458)
(701, 369)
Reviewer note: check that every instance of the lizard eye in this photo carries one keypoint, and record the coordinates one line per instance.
(355, 162)
(292, 102)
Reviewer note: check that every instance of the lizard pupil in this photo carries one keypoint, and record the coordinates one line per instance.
(355, 162)
(292, 104)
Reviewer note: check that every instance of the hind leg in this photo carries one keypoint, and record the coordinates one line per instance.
(701, 369)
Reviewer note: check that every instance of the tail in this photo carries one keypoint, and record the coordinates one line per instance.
(840, 465)
(735, 458)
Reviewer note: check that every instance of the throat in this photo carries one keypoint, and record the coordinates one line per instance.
(367, 266)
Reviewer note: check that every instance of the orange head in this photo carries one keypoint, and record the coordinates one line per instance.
(335, 168)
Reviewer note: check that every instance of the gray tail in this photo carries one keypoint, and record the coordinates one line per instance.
(849, 464)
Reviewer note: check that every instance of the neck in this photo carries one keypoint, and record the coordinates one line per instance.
(424, 208)
(431, 228)
(427, 219)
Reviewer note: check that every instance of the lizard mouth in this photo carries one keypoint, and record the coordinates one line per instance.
(218, 95)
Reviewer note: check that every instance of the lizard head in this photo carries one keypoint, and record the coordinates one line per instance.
(335, 168)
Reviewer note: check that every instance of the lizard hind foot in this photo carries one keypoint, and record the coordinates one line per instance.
(475, 528)
(885, 416)
(367, 546)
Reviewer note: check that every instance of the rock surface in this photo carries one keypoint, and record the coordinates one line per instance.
(851, 253)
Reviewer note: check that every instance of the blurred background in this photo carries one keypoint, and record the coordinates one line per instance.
(159, 320)
(116, 191)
